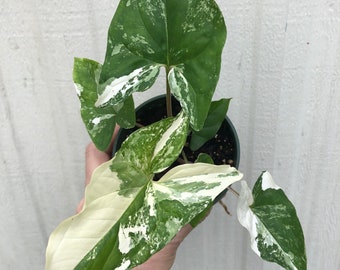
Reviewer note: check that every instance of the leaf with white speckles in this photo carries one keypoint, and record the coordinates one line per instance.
(275, 230)
(116, 90)
(187, 37)
(127, 216)
(143, 37)
(155, 147)
(100, 122)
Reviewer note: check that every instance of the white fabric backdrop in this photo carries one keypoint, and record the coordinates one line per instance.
(281, 65)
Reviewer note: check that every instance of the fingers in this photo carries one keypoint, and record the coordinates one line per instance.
(115, 132)
(94, 157)
(80, 205)
(165, 258)
(178, 239)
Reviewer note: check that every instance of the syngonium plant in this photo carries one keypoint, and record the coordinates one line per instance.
(127, 215)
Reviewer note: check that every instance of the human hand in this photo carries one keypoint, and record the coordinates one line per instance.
(162, 260)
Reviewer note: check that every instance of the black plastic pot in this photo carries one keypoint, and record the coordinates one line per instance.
(226, 152)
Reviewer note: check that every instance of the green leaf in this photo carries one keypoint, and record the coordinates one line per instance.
(127, 217)
(100, 122)
(205, 158)
(217, 113)
(126, 117)
(271, 219)
(184, 36)
(200, 217)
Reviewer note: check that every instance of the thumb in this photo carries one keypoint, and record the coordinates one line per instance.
(93, 158)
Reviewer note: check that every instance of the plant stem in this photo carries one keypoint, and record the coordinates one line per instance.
(225, 207)
(139, 125)
(234, 191)
(168, 95)
(181, 161)
(185, 157)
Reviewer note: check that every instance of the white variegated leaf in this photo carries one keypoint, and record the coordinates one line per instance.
(117, 90)
(170, 143)
(191, 183)
(76, 237)
(245, 215)
(155, 147)
(100, 122)
(127, 216)
(183, 92)
(123, 229)
(274, 228)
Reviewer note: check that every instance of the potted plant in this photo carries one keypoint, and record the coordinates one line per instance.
(128, 215)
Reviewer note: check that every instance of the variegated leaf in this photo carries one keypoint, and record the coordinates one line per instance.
(145, 35)
(100, 122)
(127, 216)
(115, 90)
(155, 147)
(121, 230)
(275, 231)
(77, 240)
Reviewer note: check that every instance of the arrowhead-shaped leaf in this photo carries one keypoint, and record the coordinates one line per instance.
(217, 112)
(184, 36)
(99, 121)
(271, 219)
(127, 216)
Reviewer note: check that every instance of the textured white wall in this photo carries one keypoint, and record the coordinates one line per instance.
(281, 65)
